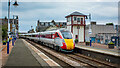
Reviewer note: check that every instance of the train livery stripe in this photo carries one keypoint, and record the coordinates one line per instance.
(69, 44)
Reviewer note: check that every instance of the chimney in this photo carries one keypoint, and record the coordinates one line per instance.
(38, 23)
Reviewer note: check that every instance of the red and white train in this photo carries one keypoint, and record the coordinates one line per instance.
(59, 39)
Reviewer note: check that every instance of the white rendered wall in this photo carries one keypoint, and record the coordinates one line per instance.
(69, 28)
(81, 34)
(75, 31)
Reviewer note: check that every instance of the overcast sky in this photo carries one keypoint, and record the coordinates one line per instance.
(30, 12)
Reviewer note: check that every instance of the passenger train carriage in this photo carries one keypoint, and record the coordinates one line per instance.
(60, 39)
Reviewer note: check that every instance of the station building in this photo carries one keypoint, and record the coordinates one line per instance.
(76, 24)
(42, 26)
(100, 33)
(4, 22)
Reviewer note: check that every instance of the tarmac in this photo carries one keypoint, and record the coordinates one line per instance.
(21, 56)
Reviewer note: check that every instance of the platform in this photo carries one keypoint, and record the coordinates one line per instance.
(100, 49)
(21, 55)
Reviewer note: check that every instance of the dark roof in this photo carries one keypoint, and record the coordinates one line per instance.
(75, 13)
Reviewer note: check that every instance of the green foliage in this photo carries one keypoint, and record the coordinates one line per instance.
(109, 24)
(76, 39)
(111, 43)
(19, 33)
(4, 33)
(4, 41)
(87, 42)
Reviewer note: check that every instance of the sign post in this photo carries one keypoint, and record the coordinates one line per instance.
(90, 32)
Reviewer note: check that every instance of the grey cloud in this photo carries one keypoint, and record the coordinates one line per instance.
(30, 12)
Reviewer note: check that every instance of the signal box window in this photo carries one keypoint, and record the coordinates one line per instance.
(74, 18)
(78, 19)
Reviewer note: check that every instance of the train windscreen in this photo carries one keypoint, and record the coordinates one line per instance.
(66, 35)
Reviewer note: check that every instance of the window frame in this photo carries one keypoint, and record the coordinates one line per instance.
(75, 18)
(78, 19)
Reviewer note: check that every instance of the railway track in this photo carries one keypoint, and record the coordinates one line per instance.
(73, 59)
(105, 63)
(90, 61)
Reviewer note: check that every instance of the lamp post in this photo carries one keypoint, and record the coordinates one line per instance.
(15, 4)
(90, 30)
(14, 22)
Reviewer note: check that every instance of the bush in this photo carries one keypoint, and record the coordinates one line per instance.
(109, 24)
(4, 32)
(87, 43)
(111, 43)
(5, 41)
(76, 40)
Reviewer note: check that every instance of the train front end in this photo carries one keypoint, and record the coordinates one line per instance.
(67, 41)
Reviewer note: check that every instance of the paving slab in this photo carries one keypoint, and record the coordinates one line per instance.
(100, 49)
(21, 56)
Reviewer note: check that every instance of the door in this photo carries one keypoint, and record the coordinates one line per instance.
(81, 20)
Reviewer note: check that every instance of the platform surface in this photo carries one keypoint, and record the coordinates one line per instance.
(100, 48)
(21, 56)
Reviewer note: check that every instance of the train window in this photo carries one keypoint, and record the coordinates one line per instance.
(57, 35)
(66, 34)
(75, 18)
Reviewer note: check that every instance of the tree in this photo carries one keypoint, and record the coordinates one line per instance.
(4, 33)
(109, 24)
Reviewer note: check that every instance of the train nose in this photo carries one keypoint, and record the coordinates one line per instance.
(69, 44)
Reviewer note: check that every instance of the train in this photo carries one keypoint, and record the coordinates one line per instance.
(58, 39)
